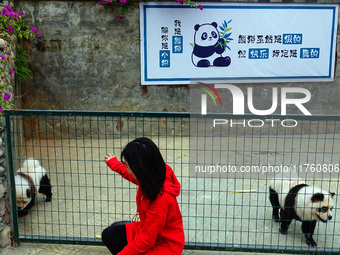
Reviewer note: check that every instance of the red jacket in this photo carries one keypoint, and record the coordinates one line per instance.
(160, 229)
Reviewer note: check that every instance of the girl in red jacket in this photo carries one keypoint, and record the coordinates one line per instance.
(160, 227)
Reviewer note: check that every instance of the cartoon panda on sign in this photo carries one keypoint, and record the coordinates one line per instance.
(208, 47)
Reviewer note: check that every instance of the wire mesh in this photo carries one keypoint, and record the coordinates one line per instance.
(224, 174)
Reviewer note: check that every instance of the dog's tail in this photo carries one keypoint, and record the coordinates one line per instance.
(30, 163)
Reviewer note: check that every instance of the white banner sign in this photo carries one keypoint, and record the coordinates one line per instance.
(237, 43)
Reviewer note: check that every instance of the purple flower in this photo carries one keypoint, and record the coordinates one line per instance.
(201, 8)
(123, 2)
(22, 12)
(7, 11)
(11, 72)
(9, 8)
(121, 17)
(35, 30)
(10, 29)
(6, 96)
(3, 57)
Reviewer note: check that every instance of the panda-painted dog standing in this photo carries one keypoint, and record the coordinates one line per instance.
(292, 199)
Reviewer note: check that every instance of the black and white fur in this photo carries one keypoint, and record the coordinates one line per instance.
(29, 178)
(296, 200)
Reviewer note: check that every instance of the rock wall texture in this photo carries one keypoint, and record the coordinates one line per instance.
(87, 59)
(7, 48)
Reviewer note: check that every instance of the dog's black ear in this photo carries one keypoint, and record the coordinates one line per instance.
(317, 197)
(332, 194)
(28, 192)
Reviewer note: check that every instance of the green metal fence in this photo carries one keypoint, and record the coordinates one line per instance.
(224, 172)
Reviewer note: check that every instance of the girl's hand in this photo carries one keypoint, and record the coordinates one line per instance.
(108, 157)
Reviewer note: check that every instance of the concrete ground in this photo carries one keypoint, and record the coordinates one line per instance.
(62, 249)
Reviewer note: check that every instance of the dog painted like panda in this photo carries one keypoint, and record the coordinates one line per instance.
(296, 200)
(30, 178)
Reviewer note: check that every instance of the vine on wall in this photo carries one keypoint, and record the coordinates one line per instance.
(12, 26)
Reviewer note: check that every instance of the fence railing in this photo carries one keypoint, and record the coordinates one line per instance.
(224, 170)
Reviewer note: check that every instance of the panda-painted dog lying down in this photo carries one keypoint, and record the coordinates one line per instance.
(296, 200)
(29, 178)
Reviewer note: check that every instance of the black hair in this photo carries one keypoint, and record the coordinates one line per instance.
(147, 163)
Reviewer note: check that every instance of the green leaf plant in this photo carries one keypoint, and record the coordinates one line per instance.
(12, 24)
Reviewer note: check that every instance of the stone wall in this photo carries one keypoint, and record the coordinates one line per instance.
(6, 49)
(87, 59)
